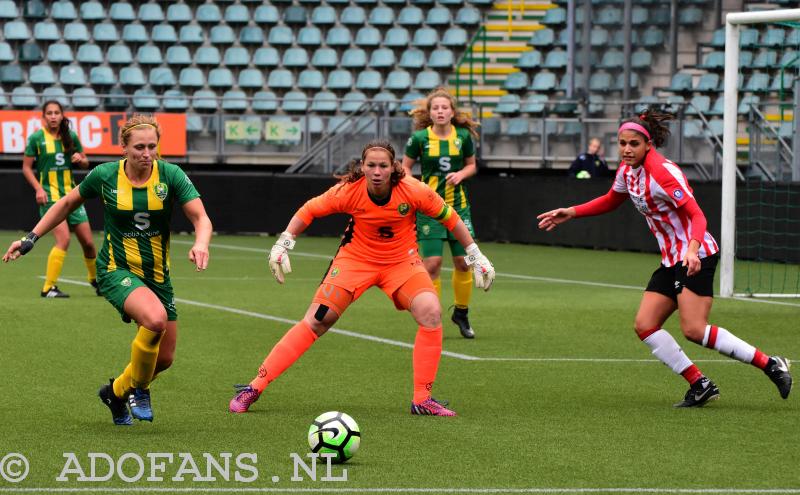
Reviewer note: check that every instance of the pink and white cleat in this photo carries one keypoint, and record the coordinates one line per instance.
(430, 407)
(245, 396)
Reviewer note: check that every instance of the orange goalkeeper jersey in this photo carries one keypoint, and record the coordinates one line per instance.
(380, 233)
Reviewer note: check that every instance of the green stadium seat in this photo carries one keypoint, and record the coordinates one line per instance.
(773, 37)
(681, 82)
(707, 83)
(41, 75)
(555, 60)
(324, 15)
(30, 53)
(295, 57)
(389, 101)
(105, 32)
(282, 36)
(368, 36)
(179, 13)
(748, 38)
(353, 101)
(237, 14)
(72, 75)
(117, 100)
(236, 56)
(295, 15)
(718, 38)
(324, 101)
(3, 99)
(690, 16)
(397, 80)
(397, 37)
(714, 60)
(24, 97)
(381, 16)
(176, 100)
(11, 74)
(641, 60)
(413, 58)
(518, 127)
(16, 31)
(85, 99)
(207, 56)
(162, 77)
(90, 54)
(76, 32)
(354, 58)
(309, 36)
(758, 83)
(790, 58)
(135, 34)
(119, 55)
(652, 37)
(490, 128)
(440, 58)
(222, 35)
(617, 39)
(191, 77)
(102, 75)
(338, 36)
(266, 14)
(324, 57)
(6, 54)
(455, 37)
(280, 79)
(382, 58)
(149, 55)
(529, 60)
(251, 79)
(534, 104)
(600, 82)
(438, 16)
(516, 81)
(543, 38)
(607, 16)
(265, 101)
(121, 12)
(793, 38)
(204, 100)
(468, 16)
(92, 11)
(660, 16)
(745, 103)
(555, 16)
(427, 80)
(310, 79)
(150, 13)
(63, 10)
(698, 104)
(208, 13)
(234, 100)
(146, 99)
(369, 80)
(131, 76)
(718, 108)
(353, 16)
(410, 16)
(295, 101)
(164, 34)
(340, 79)
(785, 85)
(612, 59)
(745, 58)
(251, 35)
(220, 77)
(178, 55)
(46, 31)
(507, 104)
(562, 85)
(765, 60)
(543, 82)
(266, 56)
(59, 53)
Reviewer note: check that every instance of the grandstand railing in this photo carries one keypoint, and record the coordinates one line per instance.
(468, 59)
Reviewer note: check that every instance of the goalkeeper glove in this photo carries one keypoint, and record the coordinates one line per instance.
(279, 256)
(27, 243)
(481, 266)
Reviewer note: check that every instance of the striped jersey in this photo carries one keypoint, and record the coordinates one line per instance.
(438, 157)
(380, 232)
(658, 189)
(137, 218)
(53, 166)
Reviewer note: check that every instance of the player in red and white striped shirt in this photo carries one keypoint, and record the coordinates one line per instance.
(689, 255)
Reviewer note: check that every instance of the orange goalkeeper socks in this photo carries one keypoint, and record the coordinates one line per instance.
(288, 350)
(427, 352)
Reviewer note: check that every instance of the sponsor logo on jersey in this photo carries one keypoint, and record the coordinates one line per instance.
(403, 208)
(334, 271)
(457, 142)
(160, 190)
(426, 229)
(678, 194)
(126, 282)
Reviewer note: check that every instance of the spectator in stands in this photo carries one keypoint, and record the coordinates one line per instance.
(685, 279)
(51, 153)
(442, 142)
(590, 164)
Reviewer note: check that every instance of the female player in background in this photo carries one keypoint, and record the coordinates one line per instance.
(689, 255)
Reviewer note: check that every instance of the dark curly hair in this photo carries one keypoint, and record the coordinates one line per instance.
(63, 129)
(654, 121)
(354, 171)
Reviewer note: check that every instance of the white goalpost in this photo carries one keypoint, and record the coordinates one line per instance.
(733, 21)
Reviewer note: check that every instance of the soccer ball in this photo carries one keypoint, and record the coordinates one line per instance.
(334, 432)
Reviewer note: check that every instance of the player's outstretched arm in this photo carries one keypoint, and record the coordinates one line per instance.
(196, 213)
(553, 218)
(482, 268)
(54, 216)
(279, 263)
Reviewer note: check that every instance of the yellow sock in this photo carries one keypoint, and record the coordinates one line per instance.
(437, 284)
(462, 288)
(122, 384)
(55, 261)
(91, 268)
(144, 353)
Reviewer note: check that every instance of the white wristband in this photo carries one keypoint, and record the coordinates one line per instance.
(286, 240)
(473, 250)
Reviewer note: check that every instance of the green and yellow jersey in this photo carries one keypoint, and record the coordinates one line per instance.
(137, 218)
(53, 166)
(438, 157)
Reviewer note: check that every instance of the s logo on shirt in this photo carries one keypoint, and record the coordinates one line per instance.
(142, 220)
(678, 194)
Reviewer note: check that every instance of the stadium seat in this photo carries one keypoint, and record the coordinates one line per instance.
(324, 101)
(266, 56)
(612, 59)
(89, 54)
(105, 32)
(565, 81)
(555, 60)
(507, 104)
(382, 58)
(150, 13)
(397, 80)
(338, 36)
(368, 36)
(310, 79)
(191, 34)
(652, 37)
(707, 83)
(6, 54)
(175, 100)
(468, 16)
(641, 60)
(698, 104)
(713, 61)
(407, 102)
(92, 11)
(440, 58)
(718, 108)
(119, 55)
(220, 77)
(410, 16)
(208, 13)
(352, 101)
(41, 75)
(131, 76)
(660, 16)
(280, 79)
(543, 38)
(427, 80)
(236, 56)
(324, 57)
(570, 130)
(543, 82)
(265, 101)
(59, 53)
(76, 32)
(381, 16)
(600, 82)
(164, 34)
(179, 13)
(295, 15)
(323, 15)
(765, 60)
(102, 75)
(16, 31)
(534, 104)
(748, 38)
(251, 35)
(121, 12)
(790, 58)
(72, 75)
(161, 77)
(30, 53)
(237, 14)
(633, 82)
(607, 16)
(690, 16)
(46, 31)
(438, 16)
(617, 39)
(204, 100)
(718, 38)
(692, 129)
(251, 79)
(149, 55)
(786, 84)
(455, 37)
(145, 99)
(793, 38)
(758, 83)
(34, 9)
(529, 60)
(135, 34)
(354, 58)
(746, 102)
(309, 36)
(266, 14)
(85, 99)
(118, 99)
(516, 81)
(681, 82)
(369, 80)
(412, 58)
(63, 10)
(234, 100)
(295, 57)
(207, 56)
(396, 37)
(389, 102)
(340, 80)
(490, 128)
(222, 35)
(353, 16)
(11, 74)
(715, 127)
(295, 101)
(518, 127)
(24, 97)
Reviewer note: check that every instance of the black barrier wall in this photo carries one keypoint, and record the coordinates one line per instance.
(504, 208)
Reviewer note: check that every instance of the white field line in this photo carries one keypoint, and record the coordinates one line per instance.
(397, 343)
(405, 490)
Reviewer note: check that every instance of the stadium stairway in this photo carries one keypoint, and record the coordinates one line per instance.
(509, 27)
